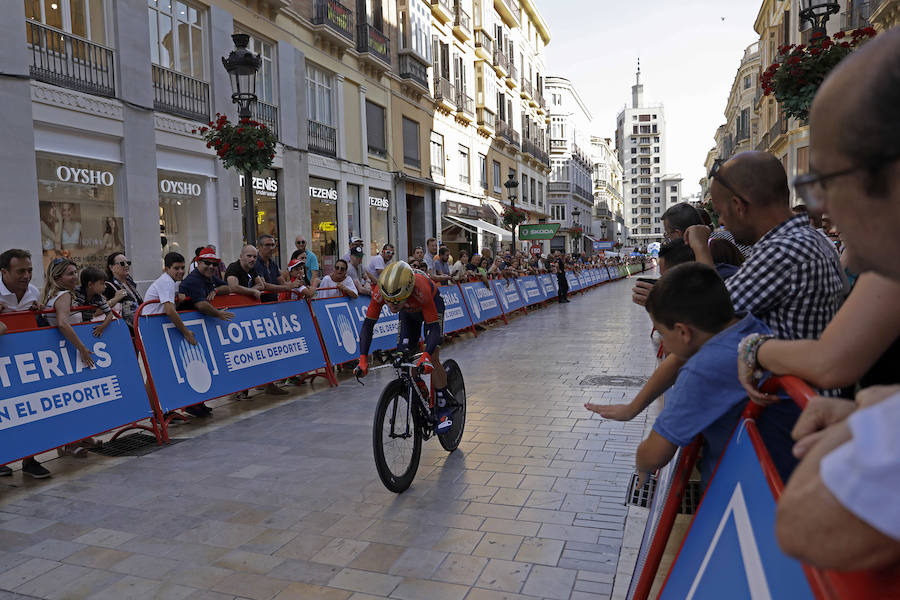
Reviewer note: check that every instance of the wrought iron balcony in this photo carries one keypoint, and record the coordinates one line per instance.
(465, 104)
(559, 186)
(778, 127)
(442, 10)
(335, 17)
(526, 91)
(179, 94)
(413, 70)
(444, 91)
(506, 131)
(70, 61)
(482, 41)
(558, 145)
(501, 61)
(509, 9)
(462, 24)
(267, 114)
(513, 76)
(486, 119)
(375, 43)
(322, 139)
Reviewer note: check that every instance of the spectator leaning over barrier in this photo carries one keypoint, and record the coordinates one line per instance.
(839, 509)
(378, 262)
(118, 279)
(488, 254)
(431, 250)
(356, 272)
(691, 309)
(458, 271)
(199, 287)
(165, 290)
(267, 268)
(356, 242)
(440, 266)
(312, 261)
(17, 294)
(338, 279)
(90, 293)
(301, 286)
(678, 218)
(242, 277)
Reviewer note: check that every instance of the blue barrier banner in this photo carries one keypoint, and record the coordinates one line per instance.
(508, 293)
(730, 550)
(49, 398)
(456, 316)
(384, 336)
(340, 321)
(263, 343)
(574, 285)
(583, 281)
(548, 285)
(531, 290)
(481, 301)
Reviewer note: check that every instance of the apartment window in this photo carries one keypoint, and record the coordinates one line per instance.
(437, 154)
(634, 211)
(524, 188)
(533, 183)
(176, 37)
(673, 198)
(635, 129)
(656, 159)
(411, 143)
(375, 129)
(482, 171)
(84, 18)
(656, 230)
(656, 149)
(673, 188)
(558, 212)
(748, 81)
(634, 150)
(657, 209)
(644, 118)
(655, 190)
(265, 77)
(634, 221)
(633, 170)
(464, 165)
(656, 169)
(319, 84)
(656, 139)
(497, 182)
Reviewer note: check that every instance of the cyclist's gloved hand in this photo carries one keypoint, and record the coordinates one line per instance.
(424, 363)
(363, 367)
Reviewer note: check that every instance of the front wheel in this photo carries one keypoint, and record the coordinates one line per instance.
(396, 438)
(451, 439)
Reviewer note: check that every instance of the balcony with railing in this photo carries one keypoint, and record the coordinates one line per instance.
(333, 18)
(375, 44)
(442, 10)
(465, 105)
(445, 92)
(509, 11)
(777, 128)
(506, 131)
(512, 78)
(322, 138)
(486, 119)
(558, 145)
(462, 24)
(415, 71)
(267, 114)
(525, 90)
(69, 61)
(484, 45)
(179, 94)
(501, 62)
(857, 17)
(558, 186)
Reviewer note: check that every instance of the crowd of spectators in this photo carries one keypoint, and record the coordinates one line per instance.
(810, 291)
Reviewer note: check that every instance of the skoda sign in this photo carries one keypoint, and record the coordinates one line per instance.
(538, 231)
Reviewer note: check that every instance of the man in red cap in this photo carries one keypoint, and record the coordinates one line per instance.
(200, 286)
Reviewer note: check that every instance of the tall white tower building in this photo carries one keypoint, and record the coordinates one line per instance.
(641, 148)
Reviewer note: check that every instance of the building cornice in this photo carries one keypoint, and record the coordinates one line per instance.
(51, 95)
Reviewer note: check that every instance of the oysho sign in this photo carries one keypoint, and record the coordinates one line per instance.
(323, 193)
(88, 176)
(181, 188)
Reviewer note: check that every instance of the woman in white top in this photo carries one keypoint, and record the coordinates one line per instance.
(59, 284)
(338, 279)
(458, 270)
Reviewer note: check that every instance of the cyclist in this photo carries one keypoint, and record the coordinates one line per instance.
(414, 295)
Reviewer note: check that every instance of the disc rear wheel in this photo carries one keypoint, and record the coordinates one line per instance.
(451, 439)
(396, 439)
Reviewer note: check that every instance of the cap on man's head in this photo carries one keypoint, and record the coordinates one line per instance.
(355, 239)
(296, 262)
(208, 253)
(356, 252)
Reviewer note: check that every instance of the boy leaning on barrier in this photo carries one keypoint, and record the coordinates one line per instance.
(691, 309)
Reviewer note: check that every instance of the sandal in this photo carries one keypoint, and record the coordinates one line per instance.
(90, 443)
(72, 450)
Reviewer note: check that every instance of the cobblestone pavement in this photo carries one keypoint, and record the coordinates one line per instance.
(284, 501)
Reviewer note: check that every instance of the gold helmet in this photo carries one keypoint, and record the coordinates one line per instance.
(396, 282)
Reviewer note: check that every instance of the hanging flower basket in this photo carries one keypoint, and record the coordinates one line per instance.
(247, 145)
(576, 231)
(512, 217)
(800, 69)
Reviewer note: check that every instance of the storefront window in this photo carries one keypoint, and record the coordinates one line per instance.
(182, 213)
(265, 198)
(323, 203)
(77, 204)
(354, 224)
(379, 219)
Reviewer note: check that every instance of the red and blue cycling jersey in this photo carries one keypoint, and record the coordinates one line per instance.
(424, 305)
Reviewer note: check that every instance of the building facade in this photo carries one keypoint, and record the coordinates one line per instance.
(571, 198)
(609, 211)
(641, 147)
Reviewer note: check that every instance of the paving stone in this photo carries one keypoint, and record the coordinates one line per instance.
(540, 550)
(460, 568)
(550, 582)
(363, 581)
(504, 575)
(498, 545)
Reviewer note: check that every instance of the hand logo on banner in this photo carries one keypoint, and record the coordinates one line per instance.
(503, 298)
(348, 340)
(196, 371)
(474, 304)
(342, 325)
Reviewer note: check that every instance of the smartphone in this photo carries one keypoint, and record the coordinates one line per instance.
(649, 280)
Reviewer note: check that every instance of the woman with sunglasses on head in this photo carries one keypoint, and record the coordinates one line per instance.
(121, 288)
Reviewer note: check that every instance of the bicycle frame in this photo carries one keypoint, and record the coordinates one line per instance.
(410, 374)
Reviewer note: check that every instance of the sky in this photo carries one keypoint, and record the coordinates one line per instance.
(689, 52)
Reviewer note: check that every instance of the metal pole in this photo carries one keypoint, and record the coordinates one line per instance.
(512, 201)
(249, 198)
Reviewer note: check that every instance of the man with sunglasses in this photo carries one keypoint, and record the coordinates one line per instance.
(312, 261)
(378, 263)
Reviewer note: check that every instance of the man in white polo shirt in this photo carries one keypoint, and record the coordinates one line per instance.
(17, 294)
(165, 289)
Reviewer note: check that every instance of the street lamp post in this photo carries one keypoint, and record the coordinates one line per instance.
(576, 212)
(511, 184)
(242, 66)
(817, 13)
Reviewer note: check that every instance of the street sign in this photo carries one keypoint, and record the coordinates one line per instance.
(535, 250)
(538, 231)
(603, 245)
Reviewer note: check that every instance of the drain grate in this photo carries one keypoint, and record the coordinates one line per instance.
(134, 444)
(641, 497)
(615, 381)
(691, 499)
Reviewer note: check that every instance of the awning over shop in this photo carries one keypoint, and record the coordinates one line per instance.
(476, 224)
